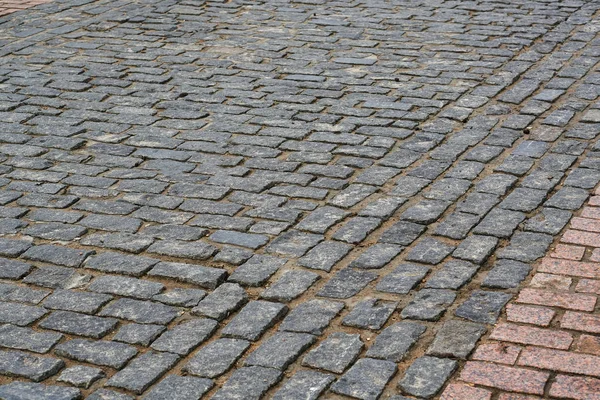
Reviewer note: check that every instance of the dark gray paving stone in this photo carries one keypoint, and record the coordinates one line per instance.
(105, 394)
(478, 203)
(182, 249)
(457, 225)
(57, 277)
(476, 248)
(425, 211)
(78, 324)
(19, 314)
(382, 208)
(356, 229)
(14, 337)
(312, 316)
(548, 220)
(365, 379)
(97, 352)
(456, 339)
(325, 255)
(335, 353)
(70, 300)
(140, 334)
(496, 184)
(233, 255)
(224, 300)
(38, 391)
(180, 388)
(376, 256)
(183, 338)
(499, 223)
(568, 198)
(118, 241)
(254, 319)
(257, 270)
(128, 287)
(81, 376)
(370, 314)
(12, 269)
(248, 383)
(394, 342)
(290, 285)
(482, 306)
(320, 220)
(429, 251)
(506, 274)
(304, 385)
(249, 240)
(120, 263)
(57, 255)
(202, 276)
(429, 304)
(526, 246)
(144, 312)
(522, 199)
(403, 233)
(583, 178)
(143, 371)
(280, 350)
(346, 283)
(426, 376)
(13, 248)
(542, 180)
(402, 279)
(181, 297)
(453, 275)
(448, 189)
(24, 365)
(216, 358)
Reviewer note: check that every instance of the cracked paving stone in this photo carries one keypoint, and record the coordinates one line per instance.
(456, 339)
(38, 391)
(202, 276)
(346, 283)
(19, 364)
(140, 334)
(290, 285)
(11, 269)
(366, 379)
(526, 246)
(506, 274)
(476, 248)
(20, 314)
(304, 385)
(143, 312)
(81, 376)
(56, 278)
(312, 316)
(394, 342)
(402, 279)
(224, 300)
(69, 300)
(429, 251)
(180, 297)
(182, 249)
(370, 314)
(78, 324)
(335, 353)
(429, 304)
(294, 243)
(457, 225)
(482, 306)
(548, 220)
(376, 256)
(57, 255)
(97, 352)
(280, 350)
(14, 337)
(176, 387)
(183, 338)
(254, 319)
(143, 371)
(216, 357)
(248, 383)
(356, 229)
(257, 270)
(426, 376)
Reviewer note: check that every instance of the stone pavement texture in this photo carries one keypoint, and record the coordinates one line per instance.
(10, 6)
(299, 199)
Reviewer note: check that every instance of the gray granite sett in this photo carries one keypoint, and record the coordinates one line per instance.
(78, 324)
(183, 338)
(27, 390)
(128, 287)
(346, 283)
(216, 358)
(140, 334)
(325, 255)
(312, 316)
(456, 339)
(143, 371)
(20, 338)
(335, 353)
(376, 256)
(370, 314)
(81, 376)
(254, 319)
(120, 263)
(483, 306)
(206, 277)
(290, 285)
(394, 342)
(175, 387)
(429, 304)
(224, 300)
(248, 383)
(426, 376)
(144, 312)
(97, 352)
(280, 350)
(181, 297)
(304, 385)
(257, 270)
(366, 379)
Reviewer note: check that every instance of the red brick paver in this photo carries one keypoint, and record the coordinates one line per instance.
(548, 343)
(10, 6)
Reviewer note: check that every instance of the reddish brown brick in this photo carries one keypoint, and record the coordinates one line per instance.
(529, 315)
(575, 387)
(457, 391)
(589, 344)
(515, 396)
(503, 377)
(595, 255)
(568, 252)
(582, 238)
(594, 201)
(591, 212)
(558, 360)
(571, 301)
(502, 353)
(581, 322)
(550, 281)
(585, 224)
(588, 286)
(530, 335)
(567, 267)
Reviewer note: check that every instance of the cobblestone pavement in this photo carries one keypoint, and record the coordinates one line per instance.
(290, 199)
(552, 327)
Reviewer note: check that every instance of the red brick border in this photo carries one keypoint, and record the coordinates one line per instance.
(548, 342)
(10, 6)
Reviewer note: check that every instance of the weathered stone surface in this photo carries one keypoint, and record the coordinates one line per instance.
(28, 390)
(248, 383)
(106, 353)
(23, 365)
(254, 319)
(483, 306)
(365, 379)
(143, 371)
(335, 353)
(456, 339)
(307, 385)
(216, 357)
(426, 376)
(184, 337)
